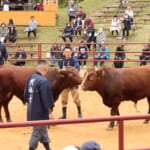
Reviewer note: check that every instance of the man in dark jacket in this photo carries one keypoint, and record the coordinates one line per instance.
(38, 95)
(3, 54)
(69, 60)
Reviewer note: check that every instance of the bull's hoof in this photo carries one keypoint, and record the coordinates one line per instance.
(9, 120)
(62, 117)
(79, 115)
(146, 121)
(1, 121)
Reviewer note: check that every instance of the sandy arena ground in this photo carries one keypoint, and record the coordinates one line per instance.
(136, 133)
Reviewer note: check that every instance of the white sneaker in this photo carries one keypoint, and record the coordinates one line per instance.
(84, 66)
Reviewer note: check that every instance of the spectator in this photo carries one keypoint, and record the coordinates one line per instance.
(72, 9)
(101, 37)
(115, 25)
(81, 14)
(6, 5)
(32, 27)
(39, 97)
(21, 56)
(3, 54)
(39, 6)
(92, 39)
(119, 56)
(70, 61)
(68, 33)
(129, 12)
(11, 23)
(83, 54)
(89, 145)
(127, 26)
(12, 33)
(145, 55)
(84, 36)
(102, 55)
(3, 32)
(88, 24)
(78, 26)
(55, 53)
(19, 5)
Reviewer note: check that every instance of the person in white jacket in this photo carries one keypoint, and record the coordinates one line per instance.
(115, 25)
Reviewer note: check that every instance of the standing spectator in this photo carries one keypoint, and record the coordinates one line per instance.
(3, 32)
(72, 9)
(115, 25)
(81, 14)
(102, 55)
(5, 4)
(21, 56)
(78, 26)
(119, 56)
(127, 26)
(55, 53)
(88, 24)
(68, 33)
(3, 54)
(19, 5)
(32, 27)
(39, 97)
(129, 12)
(145, 55)
(70, 61)
(83, 54)
(12, 33)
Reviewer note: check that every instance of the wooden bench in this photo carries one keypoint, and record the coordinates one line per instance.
(120, 11)
(109, 16)
(108, 7)
(146, 20)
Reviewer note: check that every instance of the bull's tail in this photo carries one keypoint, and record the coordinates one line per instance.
(135, 105)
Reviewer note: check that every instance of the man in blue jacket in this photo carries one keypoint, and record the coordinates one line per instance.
(3, 54)
(38, 95)
(69, 60)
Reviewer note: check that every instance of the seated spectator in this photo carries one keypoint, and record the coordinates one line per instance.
(21, 56)
(92, 38)
(82, 54)
(55, 53)
(72, 9)
(81, 14)
(145, 56)
(101, 37)
(119, 56)
(11, 23)
(39, 7)
(78, 26)
(32, 27)
(89, 145)
(6, 5)
(103, 54)
(129, 12)
(19, 5)
(84, 36)
(88, 24)
(115, 25)
(68, 33)
(3, 32)
(127, 26)
(12, 34)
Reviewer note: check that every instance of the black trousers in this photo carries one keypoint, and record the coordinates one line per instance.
(34, 33)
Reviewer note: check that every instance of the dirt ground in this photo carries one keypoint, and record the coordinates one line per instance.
(136, 133)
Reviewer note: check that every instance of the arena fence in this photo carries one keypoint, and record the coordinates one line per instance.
(39, 50)
(120, 120)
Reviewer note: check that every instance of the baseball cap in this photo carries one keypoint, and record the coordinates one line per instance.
(90, 145)
(70, 147)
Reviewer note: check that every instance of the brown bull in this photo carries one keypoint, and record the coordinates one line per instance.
(117, 85)
(13, 79)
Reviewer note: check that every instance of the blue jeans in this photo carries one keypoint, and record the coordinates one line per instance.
(101, 62)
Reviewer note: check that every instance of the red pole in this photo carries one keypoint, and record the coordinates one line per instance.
(121, 135)
(39, 51)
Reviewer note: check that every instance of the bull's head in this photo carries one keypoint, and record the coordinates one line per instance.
(91, 79)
